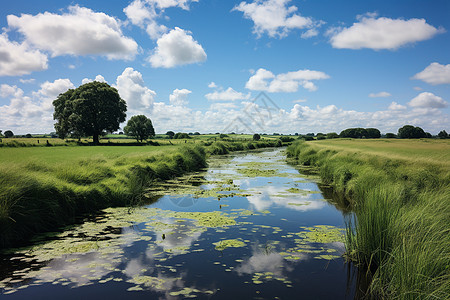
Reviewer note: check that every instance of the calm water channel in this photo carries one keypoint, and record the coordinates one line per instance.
(255, 229)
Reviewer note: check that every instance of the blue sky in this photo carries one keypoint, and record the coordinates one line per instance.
(201, 65)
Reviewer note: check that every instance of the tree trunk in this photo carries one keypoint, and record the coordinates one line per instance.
(95, 138)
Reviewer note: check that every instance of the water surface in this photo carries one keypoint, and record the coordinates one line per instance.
(250, 227)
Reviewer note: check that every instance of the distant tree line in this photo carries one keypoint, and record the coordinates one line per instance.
(361, 133)
(405, 132)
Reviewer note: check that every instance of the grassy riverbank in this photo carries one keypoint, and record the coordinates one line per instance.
(400, 193)
(46, 187)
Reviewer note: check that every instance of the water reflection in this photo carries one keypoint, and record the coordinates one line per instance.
(168, 249)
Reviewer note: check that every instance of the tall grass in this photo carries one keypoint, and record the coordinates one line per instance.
(399, 232)
(37, 197)
(43, 188)
(225, 147)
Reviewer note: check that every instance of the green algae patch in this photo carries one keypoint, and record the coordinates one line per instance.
(322, 234)
(149, 281)
(255, 172)
(299, 191)
(306, 203)
(232, 243)
(326, 257)
(206, 219)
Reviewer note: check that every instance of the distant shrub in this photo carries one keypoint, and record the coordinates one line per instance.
(391, 135)
(181, 135)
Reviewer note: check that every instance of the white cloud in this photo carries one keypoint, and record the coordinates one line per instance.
(162, 4)
(25, 114)
(382, 33)
(380, 95)
(428, 100)
(212, 85)
(138, 13)
(396, 106)
(144, 13)
(309, 33)
(418, 88)
(10, 91)
(179, 97)
(19, 59)
(227, 95)
(81, 31)
(299, 101)
(98, 78)
(31, 80)
(177, 48)
(50, 91)
(53, 89)
(435, 74)
(222, 106)
(132, 89)
(276, 18)
(286, 82)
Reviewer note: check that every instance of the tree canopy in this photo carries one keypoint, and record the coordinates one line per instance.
(89, 110)
(256, 137)
(359, 133)
(443, 134)
(411, 132)
(8, 134)
(140, 127)
(181, 135)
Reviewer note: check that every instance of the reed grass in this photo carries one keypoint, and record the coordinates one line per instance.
(42, 188)
(399, 231)
(38, 195)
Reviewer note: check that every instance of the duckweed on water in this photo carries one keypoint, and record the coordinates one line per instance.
(232, 243)
(321, 234)
(253, 172)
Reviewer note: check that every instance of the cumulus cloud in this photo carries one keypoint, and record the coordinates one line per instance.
(212, 85)
(396, 106)
(428, 100)
(381, 33)
(25, 114)
(31, 80)
(19, 59)
(98, 78)
(49, 91)
(276, 18)
(176, 48)
(179, 97)
(222, 106)
(264, 80)
(144, 13)
(227, 95)
(380, 95)
(435, 74)
(80, 31)
(133, 90)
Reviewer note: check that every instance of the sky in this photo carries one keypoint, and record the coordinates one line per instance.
(254, 66)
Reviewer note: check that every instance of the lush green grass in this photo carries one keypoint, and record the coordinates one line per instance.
(45, 187)
(42, 188)
(400, 195)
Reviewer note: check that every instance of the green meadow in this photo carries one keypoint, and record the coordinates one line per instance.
(43, 187)
(399, 191)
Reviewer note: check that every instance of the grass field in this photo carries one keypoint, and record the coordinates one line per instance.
(45, 187)
(423, 151)
(399, 191)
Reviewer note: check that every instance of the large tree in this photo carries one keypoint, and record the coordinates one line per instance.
(9, 134)
(411, 132)
(140, 127)
(89, 110)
